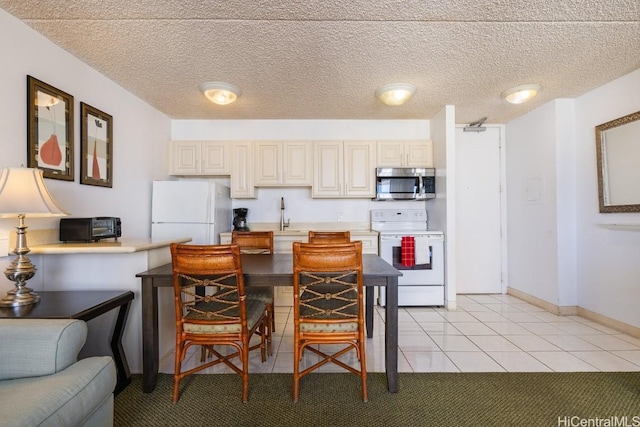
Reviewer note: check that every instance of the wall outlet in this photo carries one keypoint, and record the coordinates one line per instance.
(340, 216)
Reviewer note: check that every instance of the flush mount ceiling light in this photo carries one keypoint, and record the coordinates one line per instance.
(520, 94)
(219, 92)
(395, 93)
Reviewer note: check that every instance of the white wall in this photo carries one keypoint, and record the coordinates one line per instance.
(140, 132)
(300, 207)
(608, 260)
(556, 249)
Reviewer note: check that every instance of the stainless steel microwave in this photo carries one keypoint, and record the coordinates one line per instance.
(405, 183)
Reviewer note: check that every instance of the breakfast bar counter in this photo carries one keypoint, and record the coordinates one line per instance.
(106, 265)
(120, 246)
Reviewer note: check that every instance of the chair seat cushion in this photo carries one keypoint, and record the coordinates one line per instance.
(329, 327)
(260, 293)
(255, 309)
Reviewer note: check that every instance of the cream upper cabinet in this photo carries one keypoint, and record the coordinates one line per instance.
(414, 154)
(200, 158)
(283, 163)
(241, 179)
(344, 169)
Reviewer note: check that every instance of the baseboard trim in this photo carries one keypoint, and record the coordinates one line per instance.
(552, 308)
(609, 322)
(576, 311)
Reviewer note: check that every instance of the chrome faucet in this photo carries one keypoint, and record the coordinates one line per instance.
(283, 224)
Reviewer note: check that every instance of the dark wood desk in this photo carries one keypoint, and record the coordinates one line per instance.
(83, 305)
(272, 270)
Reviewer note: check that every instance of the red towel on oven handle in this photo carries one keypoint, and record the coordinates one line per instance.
(408, 251)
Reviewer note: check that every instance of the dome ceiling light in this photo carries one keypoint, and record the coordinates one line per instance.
(395, 93)
(520, 94)
(220, 93)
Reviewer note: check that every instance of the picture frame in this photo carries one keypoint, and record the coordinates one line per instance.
(50, 144)
(96, 148)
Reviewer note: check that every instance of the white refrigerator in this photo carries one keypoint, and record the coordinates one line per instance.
(197, 209)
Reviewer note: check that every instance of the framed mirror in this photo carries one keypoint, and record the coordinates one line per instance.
(618, 155)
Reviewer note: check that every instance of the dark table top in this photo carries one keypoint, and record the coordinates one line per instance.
(277, 269)
(84, 305)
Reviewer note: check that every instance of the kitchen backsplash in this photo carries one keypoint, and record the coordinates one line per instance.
(301, 208)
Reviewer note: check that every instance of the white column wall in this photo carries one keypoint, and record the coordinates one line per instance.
(531, 203)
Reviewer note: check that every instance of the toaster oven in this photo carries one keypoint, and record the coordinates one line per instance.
(89, 229)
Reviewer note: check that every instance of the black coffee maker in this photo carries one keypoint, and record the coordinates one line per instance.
(240, 219)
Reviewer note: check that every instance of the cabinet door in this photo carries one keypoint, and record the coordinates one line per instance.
(419, 154)
(359, 168)
(369, 243)
(297, 162)
(390, 154)
(328, 169)
(185, 158)
(215, 158)
(268, 163)
(242, 170)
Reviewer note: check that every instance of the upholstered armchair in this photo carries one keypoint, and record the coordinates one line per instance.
(41, 381)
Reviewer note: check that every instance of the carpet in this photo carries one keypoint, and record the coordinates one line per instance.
(564, 399)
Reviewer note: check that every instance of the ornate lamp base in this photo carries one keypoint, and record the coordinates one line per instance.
(20, 270)
(16, 298)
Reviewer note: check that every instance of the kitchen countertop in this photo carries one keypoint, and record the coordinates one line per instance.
(358, 229)
(107, 246)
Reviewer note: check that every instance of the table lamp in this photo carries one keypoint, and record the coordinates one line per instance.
(22, 194)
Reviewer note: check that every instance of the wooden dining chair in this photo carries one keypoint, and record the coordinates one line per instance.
(212, 309)
(329, 236)
(328, 307)
(258, 242)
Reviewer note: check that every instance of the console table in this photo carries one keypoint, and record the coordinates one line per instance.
(84, 305)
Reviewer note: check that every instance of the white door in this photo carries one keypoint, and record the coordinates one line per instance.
(478, 212)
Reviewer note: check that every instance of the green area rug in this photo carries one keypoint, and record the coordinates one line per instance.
(424, 399)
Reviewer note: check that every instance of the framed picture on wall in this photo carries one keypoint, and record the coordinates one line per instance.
(49, 130)
(96, 157)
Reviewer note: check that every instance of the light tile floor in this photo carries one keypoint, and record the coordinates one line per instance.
(487, 333)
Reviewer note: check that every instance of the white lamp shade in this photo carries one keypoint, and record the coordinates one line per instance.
(23, 192)
(395, 93)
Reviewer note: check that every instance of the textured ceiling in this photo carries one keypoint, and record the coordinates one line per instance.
(323, 59)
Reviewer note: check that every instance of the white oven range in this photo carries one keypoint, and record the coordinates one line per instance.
(422, 280)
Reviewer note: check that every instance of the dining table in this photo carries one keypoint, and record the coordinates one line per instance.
(274, 270)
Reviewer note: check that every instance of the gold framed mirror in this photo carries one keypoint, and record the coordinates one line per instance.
(618, 155)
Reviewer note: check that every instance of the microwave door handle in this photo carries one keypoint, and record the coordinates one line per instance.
(420, 185)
